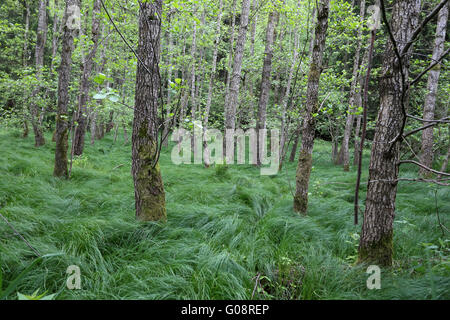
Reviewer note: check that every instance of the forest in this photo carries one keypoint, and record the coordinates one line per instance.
(224, 150)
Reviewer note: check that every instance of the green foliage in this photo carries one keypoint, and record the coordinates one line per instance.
(220, 233)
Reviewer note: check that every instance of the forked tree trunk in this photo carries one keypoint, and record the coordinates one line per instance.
(284, 130)
(375, 244)
(62, 118)
(432, 86)
(265, 81)
(80, 130)
(312, 97)
(230, 54)
(351, 110)
(41, 34)
(231, 103)
(148, 184)
(211, 86)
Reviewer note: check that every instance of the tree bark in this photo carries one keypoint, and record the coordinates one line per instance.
(353, 87)
(432, 87)
(41, 34)
(148, 184)
(312, 95)
(211, 85)
(375, 244)
(231, 103)
(80, 130)
(62, 118)
(286, 98)
(169, 95)
(265, 81)
(230, 54)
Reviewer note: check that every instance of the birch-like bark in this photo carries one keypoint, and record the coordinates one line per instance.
(211, 85)
(231, 103)
(265, 81)
(432, 88)
(41, 34)
(62, 118)
(312, 97)
(353, 87)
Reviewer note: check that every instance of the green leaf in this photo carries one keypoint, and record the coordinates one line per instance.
(17, 280)
(100, 78)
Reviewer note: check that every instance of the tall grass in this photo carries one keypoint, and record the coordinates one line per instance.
(230, 234)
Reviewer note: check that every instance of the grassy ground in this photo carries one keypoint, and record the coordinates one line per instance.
(226, 231)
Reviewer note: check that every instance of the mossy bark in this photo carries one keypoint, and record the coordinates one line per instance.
(148, 183)
(62, 119)
(378, 252)
(305, 159)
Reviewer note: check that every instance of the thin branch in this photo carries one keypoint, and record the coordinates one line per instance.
(424, 167)
(431, 66)
(443, 120)
(422, 25)
(20, 236)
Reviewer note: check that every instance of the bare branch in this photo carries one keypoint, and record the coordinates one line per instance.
(422, 25)
(424, 167)
(431, 66)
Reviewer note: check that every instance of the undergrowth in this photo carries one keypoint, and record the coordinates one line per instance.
(230, 234)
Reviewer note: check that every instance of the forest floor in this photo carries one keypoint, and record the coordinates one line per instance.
(230, 233)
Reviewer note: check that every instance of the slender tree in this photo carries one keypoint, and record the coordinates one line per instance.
(148, 183)
(41, 34)
(312, 95)
(432, 86)
(266, 79)
(231, 103)
(352, 102)
(62, 119)
(85, 81)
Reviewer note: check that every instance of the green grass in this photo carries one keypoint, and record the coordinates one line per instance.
(225, 229)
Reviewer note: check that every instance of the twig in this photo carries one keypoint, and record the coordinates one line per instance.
(20, 236)
(431, 66)
(424, 167)
(422, 25)
(256, 284)
(443, 228)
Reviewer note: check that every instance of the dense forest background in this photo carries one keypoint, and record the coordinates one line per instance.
(89, 104)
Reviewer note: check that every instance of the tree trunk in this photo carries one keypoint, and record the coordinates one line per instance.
(351, 110)
(432, 86)
(167, 124)
(62, 118)
(375, 244)
(295, 145)
(80, 130)
(286, 99)
(358, 102)
(265, 81)
(148, 184)
(231, 103)
(312, 95)
(25, 56)
(230, 54)
(211, 85)
(41, 34)
(445, 163)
